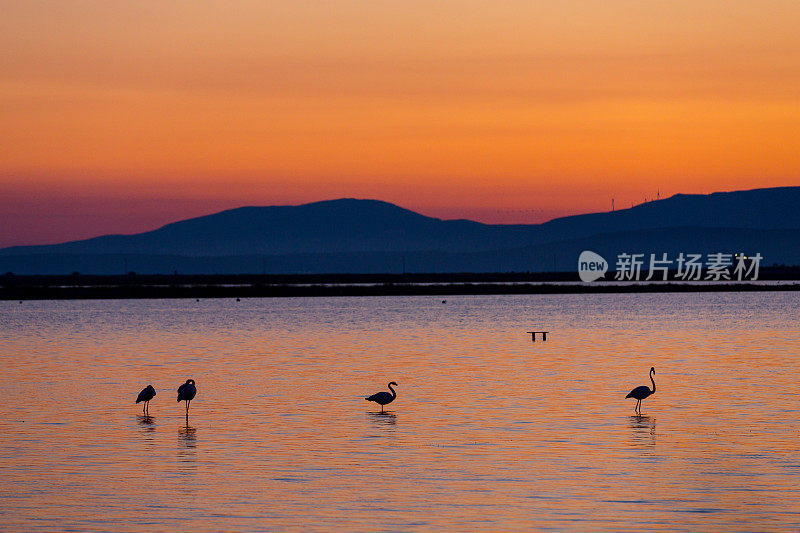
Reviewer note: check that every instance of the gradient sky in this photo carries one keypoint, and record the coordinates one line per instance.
(121, 116)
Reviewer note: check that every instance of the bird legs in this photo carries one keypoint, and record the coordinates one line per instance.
(638, 407)
(146, 408)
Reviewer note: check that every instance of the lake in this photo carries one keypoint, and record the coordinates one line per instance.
(489, 431)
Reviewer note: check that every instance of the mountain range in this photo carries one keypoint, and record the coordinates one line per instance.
(350, 235)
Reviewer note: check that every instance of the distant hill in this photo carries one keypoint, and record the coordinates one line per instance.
(351, 235)
(345, 225)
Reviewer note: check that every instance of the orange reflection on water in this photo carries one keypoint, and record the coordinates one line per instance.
(489, 431)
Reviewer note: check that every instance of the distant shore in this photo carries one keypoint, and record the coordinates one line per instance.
(77, 286)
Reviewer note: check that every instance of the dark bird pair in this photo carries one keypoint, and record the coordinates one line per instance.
(186, 392)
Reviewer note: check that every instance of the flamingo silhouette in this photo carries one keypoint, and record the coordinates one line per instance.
(383, 397)
(145, 396)
(642, 391)
(186, 392)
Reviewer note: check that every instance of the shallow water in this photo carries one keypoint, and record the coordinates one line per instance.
(489, 430)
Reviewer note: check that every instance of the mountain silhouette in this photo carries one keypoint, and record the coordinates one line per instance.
(350, 235)
(346, 225)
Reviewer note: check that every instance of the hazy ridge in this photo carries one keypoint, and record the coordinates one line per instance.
(350, 235)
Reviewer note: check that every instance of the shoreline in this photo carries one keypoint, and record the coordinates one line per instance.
(24, 292)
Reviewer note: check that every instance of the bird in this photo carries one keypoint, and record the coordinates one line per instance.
(186, 392)
(145, 396)
(383, 397)
(642, 391)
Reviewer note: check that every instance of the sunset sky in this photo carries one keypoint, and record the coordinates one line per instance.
(120, 116)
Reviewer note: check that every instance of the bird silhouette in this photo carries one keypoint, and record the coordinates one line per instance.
(186, 392)
(145, 396)
(642, 391)
(383, 397)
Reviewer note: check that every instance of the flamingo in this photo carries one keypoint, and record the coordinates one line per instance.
(383, 397)
(145, 396)
(642, 391)
(187, 392)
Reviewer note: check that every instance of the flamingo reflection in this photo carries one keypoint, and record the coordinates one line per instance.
(147, 427)
(644, 430)
(187, 435)
(145, 420)
(388, 419)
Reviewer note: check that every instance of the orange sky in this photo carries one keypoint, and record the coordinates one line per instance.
(120, 116)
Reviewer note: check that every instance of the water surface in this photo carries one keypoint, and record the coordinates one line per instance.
(490, 431)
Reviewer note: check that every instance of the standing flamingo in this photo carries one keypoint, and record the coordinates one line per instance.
(383, 397)
(187, 392)
(642, 391)
(145, 396)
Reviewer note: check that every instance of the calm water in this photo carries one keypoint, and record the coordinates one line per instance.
(489, 431)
